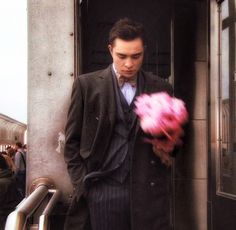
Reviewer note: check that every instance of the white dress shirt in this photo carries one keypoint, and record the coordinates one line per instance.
(127, 89)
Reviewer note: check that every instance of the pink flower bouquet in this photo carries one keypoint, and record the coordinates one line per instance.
(161, 118)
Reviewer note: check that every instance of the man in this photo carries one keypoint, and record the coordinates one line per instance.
(9, 197)
(8, 159)
(20, 164)
(119, 182)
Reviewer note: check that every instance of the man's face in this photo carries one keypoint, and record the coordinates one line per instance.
(127, 56)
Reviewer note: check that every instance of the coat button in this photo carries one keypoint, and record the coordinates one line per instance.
(152, 184)
(152, 162)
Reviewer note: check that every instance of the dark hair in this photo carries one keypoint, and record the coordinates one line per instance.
(126, 29)
(3, 163)
(11, 152)
(19, 144)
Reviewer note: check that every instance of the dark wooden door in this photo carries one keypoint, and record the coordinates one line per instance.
(98, 16)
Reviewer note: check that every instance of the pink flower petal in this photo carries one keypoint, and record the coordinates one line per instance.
(162, 115)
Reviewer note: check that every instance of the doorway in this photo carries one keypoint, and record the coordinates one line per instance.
(97, 18)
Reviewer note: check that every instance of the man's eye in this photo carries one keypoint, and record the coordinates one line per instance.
(121, 56)
(136, 57)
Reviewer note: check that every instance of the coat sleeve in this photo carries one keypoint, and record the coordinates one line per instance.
(75, 163)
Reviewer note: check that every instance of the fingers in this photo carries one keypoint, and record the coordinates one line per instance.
(164, 156)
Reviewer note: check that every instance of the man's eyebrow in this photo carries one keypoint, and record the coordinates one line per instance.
(136, 54)
(121, 54)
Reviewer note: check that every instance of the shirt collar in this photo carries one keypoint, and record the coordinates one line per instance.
(115, 71)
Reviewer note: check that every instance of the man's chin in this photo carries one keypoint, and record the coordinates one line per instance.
(129, 75)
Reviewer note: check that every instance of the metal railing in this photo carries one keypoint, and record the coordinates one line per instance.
(17, 220)
(44, 218)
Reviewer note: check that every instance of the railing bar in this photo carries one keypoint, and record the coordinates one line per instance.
(17, 219)
(48, 209)
(44, 218)
(31, 203)
(43, 222)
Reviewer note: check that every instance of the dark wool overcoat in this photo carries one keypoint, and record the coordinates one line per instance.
(9, 195)
(89, 128)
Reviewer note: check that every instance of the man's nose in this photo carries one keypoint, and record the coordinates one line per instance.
(128, 63)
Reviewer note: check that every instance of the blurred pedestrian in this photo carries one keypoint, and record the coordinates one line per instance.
(9, 161)
(20, 163)
(9, 195)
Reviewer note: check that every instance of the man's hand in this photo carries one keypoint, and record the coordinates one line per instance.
(164, 156)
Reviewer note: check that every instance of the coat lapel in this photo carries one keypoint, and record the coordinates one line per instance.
(108, 93)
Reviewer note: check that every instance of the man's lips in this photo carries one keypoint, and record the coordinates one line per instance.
(128, 71)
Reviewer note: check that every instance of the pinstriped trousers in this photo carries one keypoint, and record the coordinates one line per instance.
(109, 205)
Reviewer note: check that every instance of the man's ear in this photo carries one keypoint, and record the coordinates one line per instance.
(110, 48)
